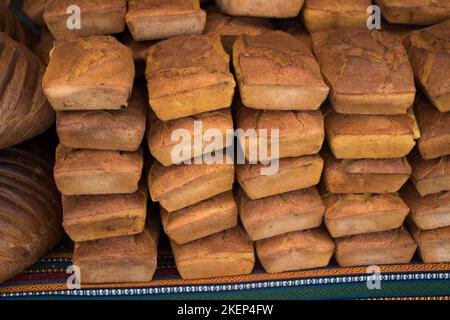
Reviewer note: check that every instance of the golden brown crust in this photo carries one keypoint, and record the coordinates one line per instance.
(434, 245)
(267, 9)
(35, 10)
(421, 12)
(223, 25)
(44, 46)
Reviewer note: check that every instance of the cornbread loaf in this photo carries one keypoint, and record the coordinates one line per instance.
(421, 12)
(93, 172)
(300, 132)
(323, 15)
(428, 212)
(159, 19)
(191, 73)
(121, 130)
(277, 71)
(24, 111)
(226, 253)
(35, 9)
(350, 214)
(295, 251)
(179, 186)
(365, 175)
(121, 259)
(97, 17)
(194, 144)
(431, 176)
(435, 129)
(292, 174)
(257, 8)
(30, 211)
(92, 73)
(368, 71)
(11, 25)
(434, 245)
(386, 247)
(200, 220)
(230, 28)
(105, 216)
(279, 214)
(44, 46)
(360, 136)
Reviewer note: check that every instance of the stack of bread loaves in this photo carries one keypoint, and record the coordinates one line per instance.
(370, 129)
(101, 122)
(429, 194)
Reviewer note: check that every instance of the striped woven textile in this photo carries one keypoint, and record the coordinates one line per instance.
(47, 280)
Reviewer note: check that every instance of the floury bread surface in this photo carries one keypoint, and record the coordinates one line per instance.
(295, 251)
(159, 19)
(200, 220)
(368, 71)
(276, 71)
(93, 172)
(431, 176)
(434, 245)
(280, 214)
(98, 17)
(121, 259)
(191, 73)
(257, 8)
(226, 253)
(121, 130)
(92, 73)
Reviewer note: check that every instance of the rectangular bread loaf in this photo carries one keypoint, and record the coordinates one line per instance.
(295, 251)
(350, 214)
(386, 247)
(368, 71)
(200, 220)
(226, 253)
(191, 73)
(92, 73)
(121, 130)
(279, 214)
(105, 216)
(431, 176)
(323, 15)
(97, 17)
(434, 245)
(179, 186)
(257, 8)
(93, 172)
(276, 71)
(121, 259)
(159, 19)
(292, 174)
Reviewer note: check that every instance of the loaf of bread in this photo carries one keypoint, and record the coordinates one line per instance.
(277, 71)
(226, 253)
(300, 132)
(431, 176)
(365, 175)
(191, 73)
(428, 212)
(292, 174)
(93, 73)
(24, 111)
(200, 220)
(44, 46)
(11, 25)
(257, 8)
(195, 143)
(121, 130)
(280, 214)
(360, 136)
(435, 129)
(179, 186)
(30, 211)
(230, 28)
(93, 172)
(105, 216)
(386, 247)
(434, 245)
(368, 71)
(323, 15)
(140, 52)
(350, 214)
(159, 19)
(420, 12)
(121, 259)
(35, 9)
(97, 17)
(295, 251)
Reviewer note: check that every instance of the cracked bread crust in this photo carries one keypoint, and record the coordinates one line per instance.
(431, 176)
(257, 8)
